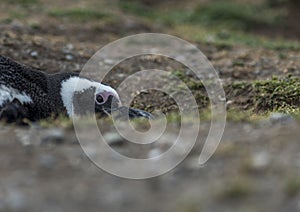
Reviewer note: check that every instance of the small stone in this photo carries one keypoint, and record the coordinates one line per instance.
(257, 72)
(108, 62)
(69, 57)
(34, 54)
(154, 153)
(11, 35)
(37, 40)
(229, 102)
(210, 38)
(70, 46)
(193, 163)
(278, 119)
(261, 160)
(120, 75)
(222, 98)
(53, 136)
(26, 137)
(113, 139)
(17, 24)
(281, 118)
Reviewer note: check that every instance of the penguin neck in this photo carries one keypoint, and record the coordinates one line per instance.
(72, 85)
(54, 82)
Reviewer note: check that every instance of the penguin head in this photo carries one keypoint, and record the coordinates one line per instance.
(82, 91)
(106, 99)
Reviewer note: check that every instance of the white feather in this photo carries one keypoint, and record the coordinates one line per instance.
(77, 84)
(9, 94)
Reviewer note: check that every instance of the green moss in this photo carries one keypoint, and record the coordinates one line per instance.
(23, 2)
(236, 190)
(232, 15)
(80, 14)
(292, 187)
(262, 96)
(276, 94)
(221, 13)
(60, 121)
(18, 15)
(220, 23)
(247, 116)
(216, 36)
(281, 95)
(173, 118)
(136, 8)
(238, 63)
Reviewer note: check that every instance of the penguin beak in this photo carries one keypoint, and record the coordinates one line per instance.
(133, 113)
(107, 103)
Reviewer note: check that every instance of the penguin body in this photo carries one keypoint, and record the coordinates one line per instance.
(31, 93)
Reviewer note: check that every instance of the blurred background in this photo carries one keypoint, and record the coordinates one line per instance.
(72, 30)
(256, 166)
(217, 21)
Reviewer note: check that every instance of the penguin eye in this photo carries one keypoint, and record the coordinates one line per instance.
(99, 99)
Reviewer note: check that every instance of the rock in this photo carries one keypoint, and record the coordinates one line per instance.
(53, 136)
(17, 24)
(68, 48)
(34, 54)
(109, 61)
(113, 139)
(154, 153)
(24, 137)
(257, 72)
(69, 57)
(279, 118)
(39, 41)
(28, 137)
(261, 160)
(282, 118)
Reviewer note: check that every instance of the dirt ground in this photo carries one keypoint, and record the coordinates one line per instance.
(43, 167)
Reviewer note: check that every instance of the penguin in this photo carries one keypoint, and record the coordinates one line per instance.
(28, 93)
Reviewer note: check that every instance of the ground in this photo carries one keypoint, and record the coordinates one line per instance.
(255, 167)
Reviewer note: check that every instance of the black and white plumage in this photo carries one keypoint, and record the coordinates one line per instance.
(26, 92)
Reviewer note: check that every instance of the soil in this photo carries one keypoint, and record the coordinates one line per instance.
(255, 168)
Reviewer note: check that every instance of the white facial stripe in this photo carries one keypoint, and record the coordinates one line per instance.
(77, 84)
(9, 94)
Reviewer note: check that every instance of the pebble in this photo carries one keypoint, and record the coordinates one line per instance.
(27, 137)
(109, 62)
(53, 136)
(153, 153)
(34, 54)
(279, 118)
(229, 102)
(121, 75)
(222, 98)
(24, 138)
(113, 139)
(261, 160)
(257, 72)
(70, 46)
(39, 41)
(69, 57)
(17, 24)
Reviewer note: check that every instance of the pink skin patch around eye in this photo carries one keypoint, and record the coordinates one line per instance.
(105, 95)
